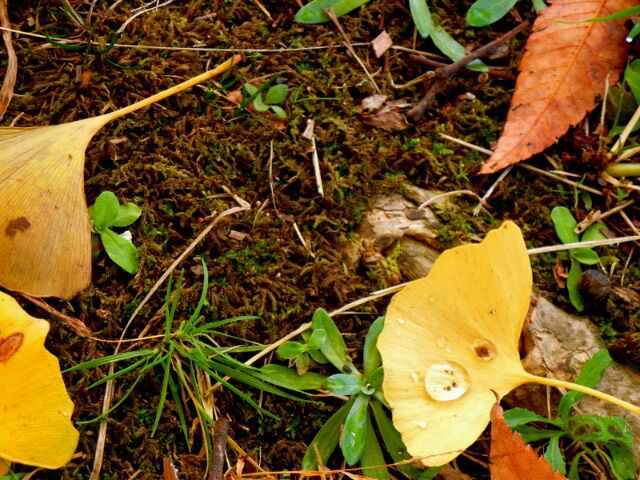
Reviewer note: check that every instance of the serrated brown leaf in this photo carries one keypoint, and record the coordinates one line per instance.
(562, 72)
(511, 458)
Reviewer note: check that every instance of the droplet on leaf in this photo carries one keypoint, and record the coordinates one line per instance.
(441, 342)
(446, 381)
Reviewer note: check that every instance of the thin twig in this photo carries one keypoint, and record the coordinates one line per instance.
(526, 166)
(483, 201)
(448, 194)
(9, 81)
(73, 323)
(591, 244)
(444, 73)
(220, 431)
(194, 49)
(331, 14)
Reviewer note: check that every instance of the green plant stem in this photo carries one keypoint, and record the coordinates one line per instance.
(554, 382)
(618, 170)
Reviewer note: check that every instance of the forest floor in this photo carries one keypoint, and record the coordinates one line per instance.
(180, 161)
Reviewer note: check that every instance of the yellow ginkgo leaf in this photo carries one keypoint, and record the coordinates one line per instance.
(45, 235)
(35, 409)
(450, 345)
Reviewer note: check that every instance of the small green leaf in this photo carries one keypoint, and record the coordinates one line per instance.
(318, 356)
(635, 31)
(597, 429)
(105, 210)
(334, 347)
(594, 232)
(120, 250)
(372, 461)
(517, 417)
(539, 5)
(278, 111)
(564, 224)
(573, 279)
(313, 12)
(590, 376)
(623, 463)
(486, 12)
(344, 384)
(352, 442)
(288, 378)
(586, 256)
(574, 471)
(531, 434)
(317, 339)
(376, 378)
(421, 17)
(326, 440)
(291, 350)
(395, 447)
(452, 49)
(303, 362)
(254, 93)
(553, 455)
(276, 94)
(127, 214)
(371, 356)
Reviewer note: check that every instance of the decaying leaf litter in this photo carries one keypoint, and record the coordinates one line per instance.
(180, 160)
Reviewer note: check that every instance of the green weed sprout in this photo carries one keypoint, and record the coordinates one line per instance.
(603, 441)
(360, 424)
(106, 213)
(189, 358)
(274, 96)
(565, 224)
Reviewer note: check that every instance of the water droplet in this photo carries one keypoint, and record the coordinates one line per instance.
(493, 312)
(415, 377)
(402, 321)
(629, 39)
(446, 381)
(422, 424)
(432, 299)
(448, 350)
(441, 342)
(484, 349)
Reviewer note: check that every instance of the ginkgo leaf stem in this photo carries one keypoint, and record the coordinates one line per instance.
(173, 90)
(618, 170)
(554, 382)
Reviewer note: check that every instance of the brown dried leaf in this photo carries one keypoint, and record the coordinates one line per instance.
(563, 70)
(511, 458)
(378, 112)
(381, 44)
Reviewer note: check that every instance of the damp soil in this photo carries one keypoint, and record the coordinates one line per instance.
(180, 160)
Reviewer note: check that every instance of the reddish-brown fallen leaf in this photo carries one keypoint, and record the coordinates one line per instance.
(511, 458)
(563, 70)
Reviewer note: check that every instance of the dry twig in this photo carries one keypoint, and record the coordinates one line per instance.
(6, 92)
(444, 73)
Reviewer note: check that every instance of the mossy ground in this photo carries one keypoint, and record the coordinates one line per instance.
(174, 160)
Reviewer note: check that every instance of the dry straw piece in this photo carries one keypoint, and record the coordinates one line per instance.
(35, 409)
(45, 234)
(450, 345)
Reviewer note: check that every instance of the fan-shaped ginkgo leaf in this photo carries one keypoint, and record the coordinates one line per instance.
(451, 339)
(563, 71)
(450, 345)
(35, 409)
(45, 235)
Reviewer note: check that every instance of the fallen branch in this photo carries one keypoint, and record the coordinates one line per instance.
(442, 74)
